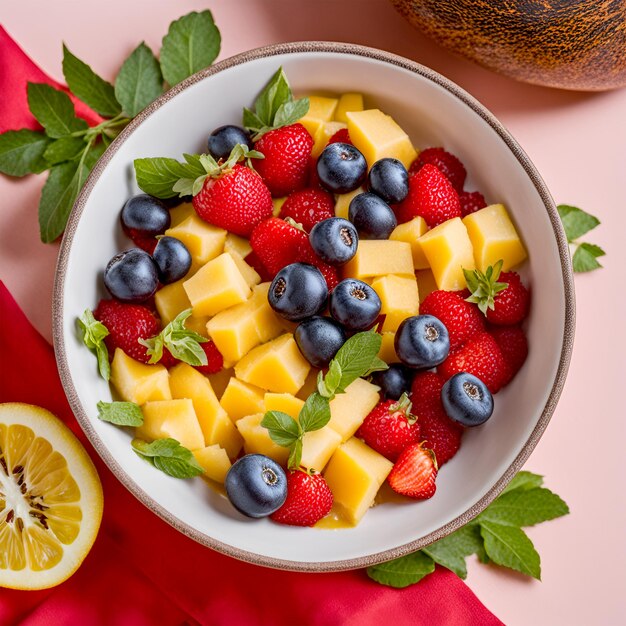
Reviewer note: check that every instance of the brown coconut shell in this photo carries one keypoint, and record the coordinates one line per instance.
(569, 44)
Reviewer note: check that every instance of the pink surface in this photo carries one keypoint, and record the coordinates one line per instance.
(577, 141)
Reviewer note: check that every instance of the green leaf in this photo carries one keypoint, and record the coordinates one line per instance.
(157, 176)
(251, 120)
(524, 507)
(92, 333)
(510, 547)
(94, 153)
(523, 480)
(88, 86)
(54, 110)
(356, 357)
(315, 413)
(21, 152)
(191, 44)
(282, 428)
(295, 455)
(276, 93)
(332, 380)
(139, 81)
(402, 572)
(452, 550)
(290, 112)
(120, 413)
(576, 222)
(168, 456)
(64, 149)
(585, 257)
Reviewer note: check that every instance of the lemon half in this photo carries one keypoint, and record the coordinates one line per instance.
(50, 499)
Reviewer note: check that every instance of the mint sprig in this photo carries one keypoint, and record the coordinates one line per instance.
(577, 223)
(484, 286)
(496, 536)
(120, 413)
(169, 456)
(92, 332)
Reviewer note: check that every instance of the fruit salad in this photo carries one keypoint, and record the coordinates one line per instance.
(312, 310)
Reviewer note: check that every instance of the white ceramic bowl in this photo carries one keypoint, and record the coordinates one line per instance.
(435, 112)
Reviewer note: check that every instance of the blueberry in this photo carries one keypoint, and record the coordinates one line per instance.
(172, 258)
(146, 214)
(389, 179)
(319, 338)
(256, 485)
(467, 400)
(334, 240)
(394, 381)
(298, 291)
(341, 167)
(354, 304)
(131, 276)
(372, 216)
(422, 341)
(223, 139)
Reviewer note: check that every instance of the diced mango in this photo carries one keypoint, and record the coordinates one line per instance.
(219, 381)
(256, 439)
(494, 237)
(221, 430)
(310, 384)
(387, 350)
(318, 446)
(268, 324)
(235, 243)
(198, 324)
(171, 300)
(320, 110)
(283, 402)
(181, 213)
(216, 286)
(214, 462)
(278, 205)
(175, 419)
(449, 251)
(349, 409)
(348, 103)
(378, 258)
(241, 399)
(426, 283)
(342, 202)
(354, 474)
(323, 134)
(137, 382)
(377, 136)
(204, 241)
(411, 232)
(399, 299)
(275, 366)
(249, 274)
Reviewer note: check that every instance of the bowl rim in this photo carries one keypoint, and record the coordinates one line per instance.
(566, 346)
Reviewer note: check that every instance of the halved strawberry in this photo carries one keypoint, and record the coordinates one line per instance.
(415, 473)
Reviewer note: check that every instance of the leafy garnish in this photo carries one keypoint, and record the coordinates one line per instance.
(169, 456)
(93, 333)
(496, 536)
(183, 344)
(577, 223)
(484, 286)
(21, 152)
(120, 413)
(54, 110)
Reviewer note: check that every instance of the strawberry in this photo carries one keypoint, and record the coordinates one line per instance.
(414, 473)
(431, 196)
(481, 357)
(276, 243)
(287, 151)
(390, 428)
(471, 201)
(341, 136)
(127, 323)
(462, 319)
(253, 260)
(446, 162)
(141, 240)
(514, 347)
(439, 432)
(214, 357)
(313, 180)
(330, 273)
(309, 499)
(308, 207)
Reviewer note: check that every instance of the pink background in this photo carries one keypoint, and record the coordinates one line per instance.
(577, 141)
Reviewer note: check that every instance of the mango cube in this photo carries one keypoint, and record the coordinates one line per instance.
(318, 446)
(214, 462)
(256, 439)
(378, 258)
(342, 202)
(320, 110)
(323, 134)
(310, 385)
(348, 103)
(399, 299)
(284, 402)
(426, 283)
(249, 274)
(216, 286)
(354, 474)
(181, 213)
(349, 409)
(235, 243)
(387, 350)
(219, 381)
(411, 232)
(278, 205)
(137, 382)
(175, 419)
(204, 241)
(494, 237)
(449, 251)
(198, 324)
(241, 399)
(275, 366)
(171, 300)
(377, 136)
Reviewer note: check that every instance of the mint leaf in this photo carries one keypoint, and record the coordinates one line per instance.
(402, 572)
(290, 112)
(576, 222)
(523, 480)
(64, 149)
(276, 93)
(251, 120)
(21, 152)
(168, 456)
(191, 44)
(92, 333)
(510, 547)
(295, 455)
(450, 552)
(157, 176)
(139, 81)
(585, 257)
(88, 86)
(54, 110)
(282, 428)
(120, 413)
(315, 413)
(332, 380)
